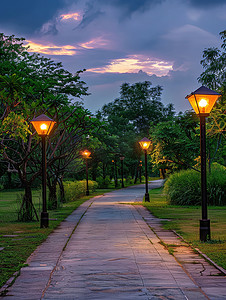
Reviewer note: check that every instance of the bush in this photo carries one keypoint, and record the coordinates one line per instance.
(129, 180)
(103, 183)
(76, 189)
(216, 185)
(184, 187)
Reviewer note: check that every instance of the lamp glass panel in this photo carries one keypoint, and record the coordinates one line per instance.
(202, 104)
(43, 127)
(145, 144)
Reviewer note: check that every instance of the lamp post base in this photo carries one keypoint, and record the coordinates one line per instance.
(87, 193)
(44, 220)
(147, 198)
(204, 230)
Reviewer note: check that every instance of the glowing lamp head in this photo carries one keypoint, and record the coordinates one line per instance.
(145, 143)
(203, 100)
(86, 153)
(43, 125)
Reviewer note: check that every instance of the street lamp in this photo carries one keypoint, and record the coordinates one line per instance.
(122, 159)
(43, 126)
(86, 154)
(145, 143)
(202, 101)
(140, 165)
(115, 173)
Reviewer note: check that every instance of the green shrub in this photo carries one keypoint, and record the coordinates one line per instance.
(103, 183)
(76, 189)
(129, 180)
(184, 187)
(216, 185)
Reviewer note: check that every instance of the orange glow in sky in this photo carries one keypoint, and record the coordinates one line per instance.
(51, 49)
(135, 63)
(74, 16)
(95, 43)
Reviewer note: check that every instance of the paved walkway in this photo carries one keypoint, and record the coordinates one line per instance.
(107, 250)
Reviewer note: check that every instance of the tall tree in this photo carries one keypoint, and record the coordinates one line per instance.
(129, 117)
(47, 88)
(214, 77)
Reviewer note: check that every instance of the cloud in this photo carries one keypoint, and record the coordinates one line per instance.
(50, 49)
(95, 43)
(135, 63)
(71, 16)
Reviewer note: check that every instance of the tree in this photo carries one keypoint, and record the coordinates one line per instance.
(47, 88)
(128, 119)
(176, 144)
(214, 77)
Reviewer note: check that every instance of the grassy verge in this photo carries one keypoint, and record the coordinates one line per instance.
(20, 239)
(185, 221)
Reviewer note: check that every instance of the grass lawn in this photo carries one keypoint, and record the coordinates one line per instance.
(185, 221)
(20, 239)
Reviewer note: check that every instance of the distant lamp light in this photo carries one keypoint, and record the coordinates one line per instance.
(86, 153)
(145, 143)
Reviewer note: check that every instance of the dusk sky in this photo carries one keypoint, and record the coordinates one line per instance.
(119, 41)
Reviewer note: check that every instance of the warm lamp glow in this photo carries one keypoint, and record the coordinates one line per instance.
(43, 125)
(203, 103)
(86, 153)
(145, 143)
(203, 100)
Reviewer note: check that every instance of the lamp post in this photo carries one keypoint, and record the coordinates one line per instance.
(202, 101)
(140, 165)
(86, 154)
(115, 173)
(122, 159)
(145, 143)
(43, 126)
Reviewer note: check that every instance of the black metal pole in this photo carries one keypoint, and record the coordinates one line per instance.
(87, 179)
(116, 176)
(140, 171)
(44, 215)
(204, 223)
(122, 173)
(147, 199)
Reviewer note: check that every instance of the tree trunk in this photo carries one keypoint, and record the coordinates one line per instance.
(27, 209)
(104, 172)
(9, 174)
(162, 173)
(137, 172)
(52, 199)
(62, 193)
